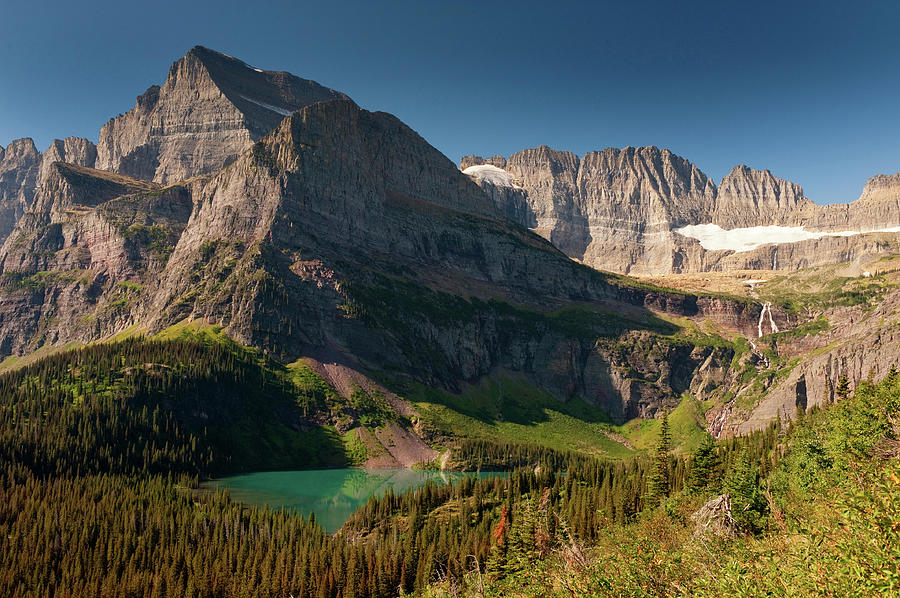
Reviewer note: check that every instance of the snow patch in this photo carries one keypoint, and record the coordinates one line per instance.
(493, 175)
(281, 111)
(258, 70)
(713, 237)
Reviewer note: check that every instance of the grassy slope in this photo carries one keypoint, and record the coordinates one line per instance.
(502, 408)
(688, 427)
(509, 409)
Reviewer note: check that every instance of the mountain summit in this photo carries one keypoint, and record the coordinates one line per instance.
(210, 108)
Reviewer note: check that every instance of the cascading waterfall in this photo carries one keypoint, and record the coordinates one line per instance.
(762, 314)
(766, 309)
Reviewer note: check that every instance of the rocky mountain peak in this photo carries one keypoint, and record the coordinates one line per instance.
(749, 197)
(531, 162)
(651, 174)
(20, 149)
(882, 186)
(73, 150)
(210, 108)
(20, 164)
(610, 199)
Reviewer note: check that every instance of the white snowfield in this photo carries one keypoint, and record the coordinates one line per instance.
(281, 111)
(495, 176)
(713, 237)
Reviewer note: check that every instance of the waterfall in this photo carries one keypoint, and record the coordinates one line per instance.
(762, 314)
(766, 309)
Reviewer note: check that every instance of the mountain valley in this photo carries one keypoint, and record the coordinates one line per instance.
(250, 272)
(316, 230)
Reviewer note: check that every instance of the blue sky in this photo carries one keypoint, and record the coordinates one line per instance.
(809, 90)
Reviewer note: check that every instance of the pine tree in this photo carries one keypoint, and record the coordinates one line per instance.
(748, 504)
(704, 467)
(843, 387)
(659, 482)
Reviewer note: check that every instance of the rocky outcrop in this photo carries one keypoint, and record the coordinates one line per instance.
(748, 197)
(69, 188)
(20, 164)
(72, 150)
(210, 108)
(467, 161)
(882, 188)
(76, 264)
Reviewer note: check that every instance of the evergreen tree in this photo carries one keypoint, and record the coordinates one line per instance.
(748, 503)
(843, 387)
(705, 467)
(659, 482)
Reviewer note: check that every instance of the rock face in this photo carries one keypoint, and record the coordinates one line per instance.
(877, 207)
(210, 108)
(550, 180)
(507, 195)
(748, 197)
(76, 263)
(632, 199)
(614, 209)
(467, 161)
(20, 165)
(619, 210)
(23, 170)
(72, 150)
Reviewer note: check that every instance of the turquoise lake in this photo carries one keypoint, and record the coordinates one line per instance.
(331, 494)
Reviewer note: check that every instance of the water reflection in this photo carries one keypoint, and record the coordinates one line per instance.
(331, 494)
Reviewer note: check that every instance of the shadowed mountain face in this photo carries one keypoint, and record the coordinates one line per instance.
(343, 231)
(210, 108)
(623, 211)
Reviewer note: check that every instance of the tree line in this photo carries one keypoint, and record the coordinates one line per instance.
(101, 450)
